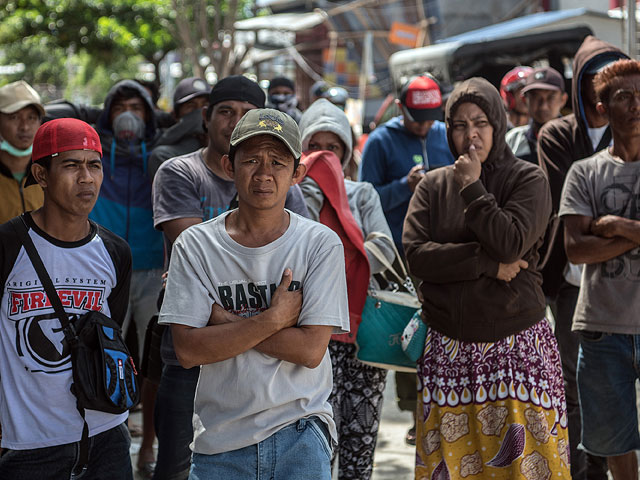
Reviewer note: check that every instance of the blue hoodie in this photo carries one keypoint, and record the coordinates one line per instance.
(390, 152)
(124, 205)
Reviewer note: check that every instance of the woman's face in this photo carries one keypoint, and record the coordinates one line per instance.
(327, 141)
(470, 126)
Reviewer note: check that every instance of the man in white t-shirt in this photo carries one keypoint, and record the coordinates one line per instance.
(599, 207)
(90, 268)
(253, 296)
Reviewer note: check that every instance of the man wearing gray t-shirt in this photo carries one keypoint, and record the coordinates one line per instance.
(253, 296)
(187, 190)
(601, 213)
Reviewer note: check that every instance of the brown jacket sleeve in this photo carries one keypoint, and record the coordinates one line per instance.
(435, 262)
(555, 156)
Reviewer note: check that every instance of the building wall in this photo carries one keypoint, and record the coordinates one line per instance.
(595, 5)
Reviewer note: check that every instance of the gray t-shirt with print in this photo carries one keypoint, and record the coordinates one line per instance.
(247, 398)
(609, 299)
(184, 187)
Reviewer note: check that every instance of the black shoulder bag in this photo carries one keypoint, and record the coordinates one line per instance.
(104, 375)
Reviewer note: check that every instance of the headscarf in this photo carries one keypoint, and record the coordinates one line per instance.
(479, 91)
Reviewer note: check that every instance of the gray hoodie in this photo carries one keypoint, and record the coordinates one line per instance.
(324, 116)
(364, 201)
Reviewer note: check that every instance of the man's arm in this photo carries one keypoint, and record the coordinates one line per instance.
(173, 228)
(217, 342)
(373, 170)
(584, 246)
(176, 200)
(303, 345)
(610, 226)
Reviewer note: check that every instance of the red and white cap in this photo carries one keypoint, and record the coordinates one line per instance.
(422, 99)
(62, 135)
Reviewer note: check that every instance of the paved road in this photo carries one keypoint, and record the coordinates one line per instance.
(394, 459)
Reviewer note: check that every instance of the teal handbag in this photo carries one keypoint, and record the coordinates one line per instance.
(385, 315)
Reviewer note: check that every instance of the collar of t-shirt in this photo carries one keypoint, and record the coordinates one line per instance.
(595, 135)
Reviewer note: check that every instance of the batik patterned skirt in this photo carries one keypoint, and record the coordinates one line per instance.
(492, 410)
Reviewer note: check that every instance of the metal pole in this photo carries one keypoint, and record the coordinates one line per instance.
(632, 39)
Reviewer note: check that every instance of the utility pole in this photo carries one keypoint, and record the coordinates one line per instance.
(632, 35)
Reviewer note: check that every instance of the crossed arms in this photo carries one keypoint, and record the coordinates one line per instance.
(273, 332)
(589, 240)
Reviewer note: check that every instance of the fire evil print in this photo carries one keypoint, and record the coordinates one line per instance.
(39, 338)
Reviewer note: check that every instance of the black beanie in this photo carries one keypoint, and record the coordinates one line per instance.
(237, 87)
(281, 82)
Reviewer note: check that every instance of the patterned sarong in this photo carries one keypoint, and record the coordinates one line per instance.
(492, 410)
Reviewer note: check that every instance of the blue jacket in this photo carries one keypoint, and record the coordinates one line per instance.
(390, 152)
(124, 205)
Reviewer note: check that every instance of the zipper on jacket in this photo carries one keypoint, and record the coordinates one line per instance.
(128, 219)
(425, 158)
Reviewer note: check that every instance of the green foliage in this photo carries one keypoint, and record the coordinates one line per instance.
(90, 83)
(44, 61)
(83, 46)
(105, 29)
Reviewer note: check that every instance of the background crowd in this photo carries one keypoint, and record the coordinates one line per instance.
(517, 224)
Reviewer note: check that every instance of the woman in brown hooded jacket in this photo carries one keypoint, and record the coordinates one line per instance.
(490, 376)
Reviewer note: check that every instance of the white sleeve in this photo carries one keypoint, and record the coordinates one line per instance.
(324, 291)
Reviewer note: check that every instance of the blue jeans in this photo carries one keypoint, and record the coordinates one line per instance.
(173, 420)
(300, 451)
(108, 459)
(608, 366)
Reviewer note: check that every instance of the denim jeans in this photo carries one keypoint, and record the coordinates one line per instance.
(300, 451)
(108, 459)
(173, 419)
(608, 366)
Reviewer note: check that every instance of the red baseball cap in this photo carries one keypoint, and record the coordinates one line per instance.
(422, 99)
(62, 135)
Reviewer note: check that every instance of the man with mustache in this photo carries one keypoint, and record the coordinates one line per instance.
(90, 268)
(599, 207)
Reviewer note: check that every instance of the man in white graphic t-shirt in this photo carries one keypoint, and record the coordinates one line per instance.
(90, 268)
(253, 296)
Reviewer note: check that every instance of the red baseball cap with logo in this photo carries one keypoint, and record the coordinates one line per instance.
(421, 99)
(62, 135)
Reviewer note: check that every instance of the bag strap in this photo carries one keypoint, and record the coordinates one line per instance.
(374, 249)
(22, 229)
